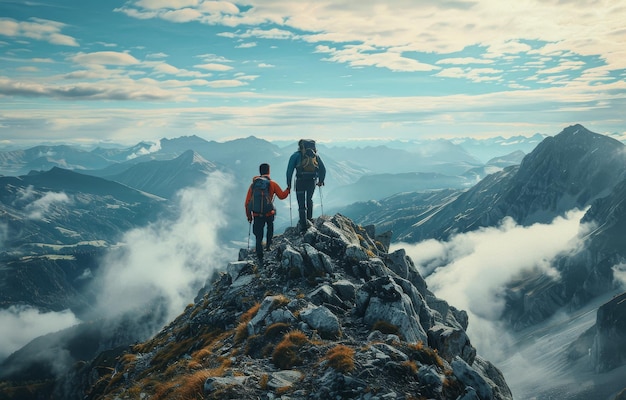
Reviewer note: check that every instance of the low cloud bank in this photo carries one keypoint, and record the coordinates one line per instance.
(38, 207)
(21, 324)
(168, 261)
(470, 270)
(154, 273)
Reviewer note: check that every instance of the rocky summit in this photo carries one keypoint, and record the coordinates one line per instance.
(331, 314)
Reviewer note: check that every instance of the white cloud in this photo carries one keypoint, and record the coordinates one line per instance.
(464, 61)
(363, 56)
(619, 274)
(470, 270)
(247, 45)
(104, 58)
(19, 325)
(226, 83)
(214, 67)
(39, 208)
(168, 260)
(38, 29)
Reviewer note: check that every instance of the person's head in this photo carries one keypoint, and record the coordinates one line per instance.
(264, 169)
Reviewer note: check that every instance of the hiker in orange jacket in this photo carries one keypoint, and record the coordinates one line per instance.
(260, 208)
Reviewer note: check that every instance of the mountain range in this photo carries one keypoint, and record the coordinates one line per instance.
(64, 209)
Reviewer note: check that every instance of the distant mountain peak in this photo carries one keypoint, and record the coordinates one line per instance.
(192, 157)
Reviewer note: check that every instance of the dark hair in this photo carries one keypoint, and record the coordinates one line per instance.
(264, 169)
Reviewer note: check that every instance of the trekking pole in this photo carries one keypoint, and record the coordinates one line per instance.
(290, 216)
(321, 201)
(249, 229)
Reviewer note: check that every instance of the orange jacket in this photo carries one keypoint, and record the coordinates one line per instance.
(274, 190)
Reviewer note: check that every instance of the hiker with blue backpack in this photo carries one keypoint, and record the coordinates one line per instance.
(260, 207)
(310, 171)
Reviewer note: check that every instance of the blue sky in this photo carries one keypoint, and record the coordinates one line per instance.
(124, 71)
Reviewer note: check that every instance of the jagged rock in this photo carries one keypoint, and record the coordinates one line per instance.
(217, 383)
(283, 379)
(345, 289)
(431, 380)
(451, 342)
(382, 299)
(319, 262)
(325, 294)
(384, 239)
(472, 378)
(268, 314)
(240, 273)
(493, 377)
(322, 320)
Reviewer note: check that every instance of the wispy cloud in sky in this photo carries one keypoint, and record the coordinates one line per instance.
(559, 55)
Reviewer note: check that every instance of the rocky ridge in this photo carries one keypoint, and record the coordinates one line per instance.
(331, 314)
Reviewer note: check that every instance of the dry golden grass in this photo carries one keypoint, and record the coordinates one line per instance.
(241, 331)
(286, 353)
(410, 365)
(276, 329)
(190, 387)
(263, 381)
(280, 301)
(248, 315)
(340, 358)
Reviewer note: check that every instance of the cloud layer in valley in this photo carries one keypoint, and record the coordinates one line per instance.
(19, 325)
(156, 271)
(471, 269)
(169, 260)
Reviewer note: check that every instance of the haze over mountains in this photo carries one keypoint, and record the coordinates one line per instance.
(117, 223)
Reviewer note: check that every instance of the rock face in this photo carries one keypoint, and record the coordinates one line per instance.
(609, 345)
(565, 171)
(330, 315)
(574, 169)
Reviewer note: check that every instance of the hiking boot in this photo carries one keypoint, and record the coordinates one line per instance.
(268, 246)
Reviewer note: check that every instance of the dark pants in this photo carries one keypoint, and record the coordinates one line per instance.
(305, 188)
(257, 228)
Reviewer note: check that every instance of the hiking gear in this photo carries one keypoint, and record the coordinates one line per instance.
(295, 162)
(261, 199)
(321, 202)
(309, 164)
(249, 228)
(290, 215)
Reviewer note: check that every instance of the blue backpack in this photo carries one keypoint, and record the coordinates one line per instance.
(261, 201)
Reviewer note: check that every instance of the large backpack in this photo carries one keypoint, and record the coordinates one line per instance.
(261, 201)
(308, 157)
